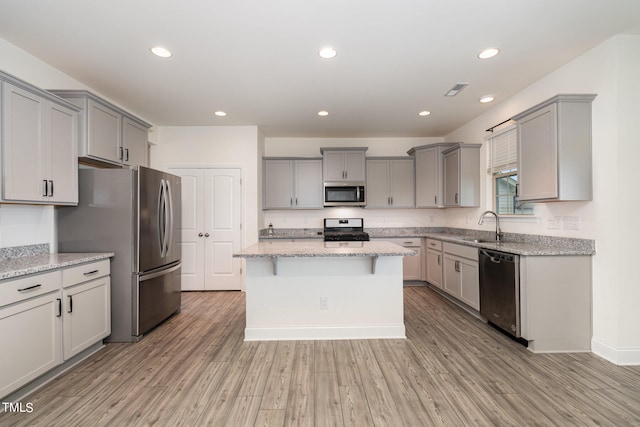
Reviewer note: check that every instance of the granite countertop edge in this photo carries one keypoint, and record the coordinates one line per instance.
(318, 249)
(33, 264)
(521, 244)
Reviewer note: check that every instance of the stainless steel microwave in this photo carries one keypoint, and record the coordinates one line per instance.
(344, 194)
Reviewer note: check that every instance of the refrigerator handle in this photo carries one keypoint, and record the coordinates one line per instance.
(161, 217)
(169, 222)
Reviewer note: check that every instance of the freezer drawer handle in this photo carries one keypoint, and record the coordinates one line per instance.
(160, 273)
(28, 288)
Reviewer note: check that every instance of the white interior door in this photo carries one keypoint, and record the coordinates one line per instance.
(222, 229)
(192, 245)
(211, 228)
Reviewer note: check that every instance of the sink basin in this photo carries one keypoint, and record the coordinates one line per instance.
(472, 240)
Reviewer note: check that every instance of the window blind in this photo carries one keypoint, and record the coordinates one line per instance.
(503, 151)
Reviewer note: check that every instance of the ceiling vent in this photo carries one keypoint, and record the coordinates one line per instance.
(456, 89)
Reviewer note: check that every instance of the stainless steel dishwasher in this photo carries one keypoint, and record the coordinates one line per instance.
(500, 289)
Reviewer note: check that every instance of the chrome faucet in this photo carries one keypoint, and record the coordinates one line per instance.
(498, 231)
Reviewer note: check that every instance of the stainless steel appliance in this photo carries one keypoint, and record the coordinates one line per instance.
(344, 194)
(500, 289)
(136, 215)
(344, 230)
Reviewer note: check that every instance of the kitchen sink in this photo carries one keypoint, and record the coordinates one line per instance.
(473, 240)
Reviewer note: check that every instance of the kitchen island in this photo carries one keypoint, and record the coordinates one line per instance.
(315, 290)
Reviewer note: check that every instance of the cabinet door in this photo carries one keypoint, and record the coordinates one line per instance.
(402, 182)
(278, 184)
(354, 162)
(104, 132)
(469, 283)
(538, 155)
(87, 315)
(434, 267)
(134, 143)
(22, 145)
(452, 178)
(412, 265)
(378, 195)
(427, 178)
(62, 154)
(452, 279)
(333, 166)
(308, 184)
(33, 332)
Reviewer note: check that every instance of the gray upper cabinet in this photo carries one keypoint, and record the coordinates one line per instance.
(108, 134)
(39, 146)
(343, 164)
(429, 184)
(554, 150)
(291, 183)
(390, 182)
(462, 175)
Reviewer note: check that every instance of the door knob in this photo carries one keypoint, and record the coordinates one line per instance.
(206, 234)
(200, 234)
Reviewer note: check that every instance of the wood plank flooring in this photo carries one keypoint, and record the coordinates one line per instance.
(196, 370)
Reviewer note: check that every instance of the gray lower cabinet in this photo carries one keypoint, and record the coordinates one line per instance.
(390, 182)
(461, 273)
(554, 150)
(292, 183)
(434, 262)
(48, 318)
(39, 146)
(108, 134)
(411, 265)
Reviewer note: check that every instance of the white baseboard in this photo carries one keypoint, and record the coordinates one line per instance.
(324, 333)
(625, 356)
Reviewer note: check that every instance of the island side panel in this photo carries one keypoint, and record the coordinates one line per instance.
(324, 298)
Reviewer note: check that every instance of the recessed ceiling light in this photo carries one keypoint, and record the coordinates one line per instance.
(220, 113)
(161, 52)
(327, 52)
(486, 98)
(323, 113)
(424, 113)
(488, 53)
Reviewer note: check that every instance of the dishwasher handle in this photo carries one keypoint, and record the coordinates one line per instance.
(498, 257)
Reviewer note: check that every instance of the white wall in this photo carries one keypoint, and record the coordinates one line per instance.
(310, 147)
(227, 146)
(611, 71)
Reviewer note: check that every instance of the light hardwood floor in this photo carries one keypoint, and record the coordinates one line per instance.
(196, 370)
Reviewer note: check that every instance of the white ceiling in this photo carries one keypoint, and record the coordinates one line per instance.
(257, 59)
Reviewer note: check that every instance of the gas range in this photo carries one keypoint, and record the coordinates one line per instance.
(344, 230)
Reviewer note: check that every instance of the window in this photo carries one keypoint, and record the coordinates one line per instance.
(502, 165)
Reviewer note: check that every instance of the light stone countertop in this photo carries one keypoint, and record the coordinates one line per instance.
(319, 248)
(521, 244)
(23, 265)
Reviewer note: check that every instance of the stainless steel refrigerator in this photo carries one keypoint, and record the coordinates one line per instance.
(136, 215)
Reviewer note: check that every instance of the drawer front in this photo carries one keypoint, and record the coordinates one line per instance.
(434, 244)
(408, 242)
(15, 290)
(464, 251)
(83, 272)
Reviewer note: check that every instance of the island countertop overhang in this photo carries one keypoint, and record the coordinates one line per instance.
(323, 249)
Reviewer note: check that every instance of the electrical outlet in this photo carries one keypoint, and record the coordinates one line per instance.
(571, 222)
(554, 222)
(324, 303)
